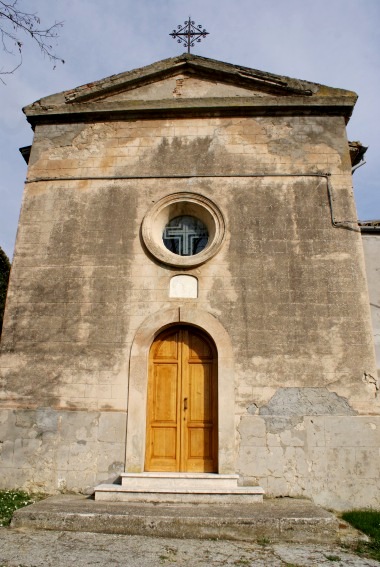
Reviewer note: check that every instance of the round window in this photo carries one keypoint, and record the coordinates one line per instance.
(183, 229)
(185, 236)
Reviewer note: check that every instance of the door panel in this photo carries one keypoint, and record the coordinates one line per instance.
(164, 443)
(182, 403)
(200, 390)
(198, 348)
(168, 348)
(165, 393)
(200, 443)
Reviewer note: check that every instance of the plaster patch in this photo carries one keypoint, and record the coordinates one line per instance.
(306, 401)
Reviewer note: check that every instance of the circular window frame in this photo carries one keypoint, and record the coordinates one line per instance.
(172, 206)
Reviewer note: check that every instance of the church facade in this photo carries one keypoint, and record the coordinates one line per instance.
(188, 291)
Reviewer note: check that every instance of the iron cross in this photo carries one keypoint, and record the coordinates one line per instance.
(189, 34)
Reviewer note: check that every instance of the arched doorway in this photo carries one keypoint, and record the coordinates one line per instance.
(138, 384)
(182, 402)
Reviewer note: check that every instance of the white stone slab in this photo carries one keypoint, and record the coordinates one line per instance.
(156, 480)
(184, 286)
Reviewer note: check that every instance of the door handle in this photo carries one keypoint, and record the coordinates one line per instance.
(185, 404)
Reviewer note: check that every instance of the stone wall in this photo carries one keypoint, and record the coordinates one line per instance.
(371, 246)
(52, 450)
(287, 286)
(309, 441)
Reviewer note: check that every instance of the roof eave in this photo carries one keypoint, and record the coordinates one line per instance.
(243, 106)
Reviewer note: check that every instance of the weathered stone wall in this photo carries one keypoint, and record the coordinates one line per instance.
(288, 287)
(47, 449)
(308, 441)
(371, 246)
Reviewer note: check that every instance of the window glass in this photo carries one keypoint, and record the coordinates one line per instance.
(185, 236)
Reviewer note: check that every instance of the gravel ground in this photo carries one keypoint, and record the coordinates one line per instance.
(29, 548)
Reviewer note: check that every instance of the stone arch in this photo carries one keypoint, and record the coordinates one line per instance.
(138, 383)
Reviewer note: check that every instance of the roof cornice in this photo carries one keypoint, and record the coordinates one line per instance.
(243, 106)
(287, 95)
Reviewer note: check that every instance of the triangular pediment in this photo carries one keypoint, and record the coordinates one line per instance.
(189, 76)
(206, 82)
(184, 85)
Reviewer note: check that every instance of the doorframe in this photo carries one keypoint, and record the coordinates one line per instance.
(183, 362)
(138, 384)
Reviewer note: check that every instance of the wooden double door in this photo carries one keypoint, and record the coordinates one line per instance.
(182, 421)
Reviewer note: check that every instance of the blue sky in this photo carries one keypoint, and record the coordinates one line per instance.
(333, 42)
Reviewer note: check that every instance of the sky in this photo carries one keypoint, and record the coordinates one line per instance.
(332, 42)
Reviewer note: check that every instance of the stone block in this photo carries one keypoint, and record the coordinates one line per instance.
(292, 438)
(252, 431)
(359, 431)
(367, 463)
(111, 458)
(276, 486)
(83, 455)
(112, 427)
(63, 456)
(77, 480)
(315, 431)
(318, 464)
(259, 461)
(7, 453)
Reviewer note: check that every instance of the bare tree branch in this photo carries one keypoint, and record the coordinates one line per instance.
(14, 23)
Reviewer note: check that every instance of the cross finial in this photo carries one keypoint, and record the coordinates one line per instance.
(189, 34)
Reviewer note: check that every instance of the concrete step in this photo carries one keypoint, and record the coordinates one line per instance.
(277, 520)
(170, 494)
(157, 480)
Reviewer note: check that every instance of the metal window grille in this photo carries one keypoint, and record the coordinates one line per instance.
(185, 236)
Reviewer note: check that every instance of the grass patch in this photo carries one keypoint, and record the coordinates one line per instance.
(11, 500)
(367, 521)
(263, 541)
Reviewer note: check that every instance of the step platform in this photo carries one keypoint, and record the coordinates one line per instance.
(197, 488)
(277, 520)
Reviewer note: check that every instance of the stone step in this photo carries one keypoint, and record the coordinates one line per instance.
(170, 494)
(179, 480)
(278, 520)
